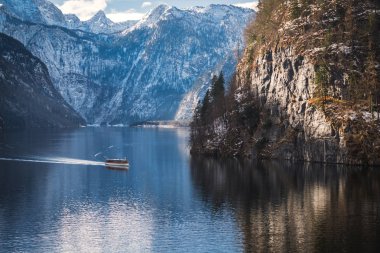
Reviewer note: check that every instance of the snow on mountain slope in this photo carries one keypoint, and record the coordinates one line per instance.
(45, 12)
(197, 92)
(50, 13)
(99, 23)
(25, 10)
(151, 18)
(72, 21)
(142, 73)
(36, 11)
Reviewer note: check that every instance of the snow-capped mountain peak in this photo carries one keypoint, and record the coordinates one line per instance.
(214, 13)
(44, 12)
(159, 11)
(99, 23)
(152, 17)
(100, 18)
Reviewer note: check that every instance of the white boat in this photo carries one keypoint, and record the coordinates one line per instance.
(117, 163)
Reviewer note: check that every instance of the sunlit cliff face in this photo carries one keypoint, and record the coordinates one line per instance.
(287, 209)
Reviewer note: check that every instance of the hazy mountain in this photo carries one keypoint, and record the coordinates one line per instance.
(27, 95)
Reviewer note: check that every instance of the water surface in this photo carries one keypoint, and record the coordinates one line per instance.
(57, 197)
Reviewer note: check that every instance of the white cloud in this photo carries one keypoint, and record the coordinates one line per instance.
(249, 5)
(146, 4)
(84, 9)
(131, 14)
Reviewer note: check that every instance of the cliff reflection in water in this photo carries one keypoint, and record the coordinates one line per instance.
(284, 207)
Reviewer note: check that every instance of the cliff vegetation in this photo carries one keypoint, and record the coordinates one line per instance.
(306, 88)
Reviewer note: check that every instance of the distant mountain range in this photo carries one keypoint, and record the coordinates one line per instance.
(45, 12)
(155, 69)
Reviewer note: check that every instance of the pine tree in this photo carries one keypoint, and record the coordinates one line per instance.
(217, 97)
(205, 108)
(295, 9)
(197, 113)
(196, 127)
(322, 77)
(371, 80)
(217, 88)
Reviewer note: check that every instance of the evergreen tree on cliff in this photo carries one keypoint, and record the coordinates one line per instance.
(307, 87)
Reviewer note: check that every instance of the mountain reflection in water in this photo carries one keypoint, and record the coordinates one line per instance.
(285, 207)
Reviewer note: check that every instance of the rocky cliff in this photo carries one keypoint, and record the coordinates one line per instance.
(28, 98)
(312, 70)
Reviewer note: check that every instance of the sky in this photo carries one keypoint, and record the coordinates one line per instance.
(122, 10)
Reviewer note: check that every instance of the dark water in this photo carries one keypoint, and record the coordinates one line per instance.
(168, 202)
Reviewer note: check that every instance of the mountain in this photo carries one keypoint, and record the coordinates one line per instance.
(45, 12)
(25, 10)
(50, 13)
(72, 21)
(27, 97)
(145, 72)
(36, 11)
(307, 87)
(99, 23)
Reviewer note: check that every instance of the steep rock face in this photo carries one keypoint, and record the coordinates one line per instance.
(27, 96)
(301, 130)
(72, 21)
(25, 10)
(142, 73)
(50, 13)
(283, 82)
(301, 76)
(317, 118)
(36, 11)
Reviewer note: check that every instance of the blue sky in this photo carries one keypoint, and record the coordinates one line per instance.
(121, 10)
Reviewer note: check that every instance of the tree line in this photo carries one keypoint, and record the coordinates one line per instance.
(224, 121)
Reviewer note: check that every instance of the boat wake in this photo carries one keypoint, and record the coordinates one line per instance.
(55, 160)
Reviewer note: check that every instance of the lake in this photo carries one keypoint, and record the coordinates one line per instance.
(55, 196)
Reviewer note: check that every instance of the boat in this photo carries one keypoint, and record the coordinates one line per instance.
(117, 163)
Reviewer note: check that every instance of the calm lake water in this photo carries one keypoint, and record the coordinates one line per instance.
(59, 199)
